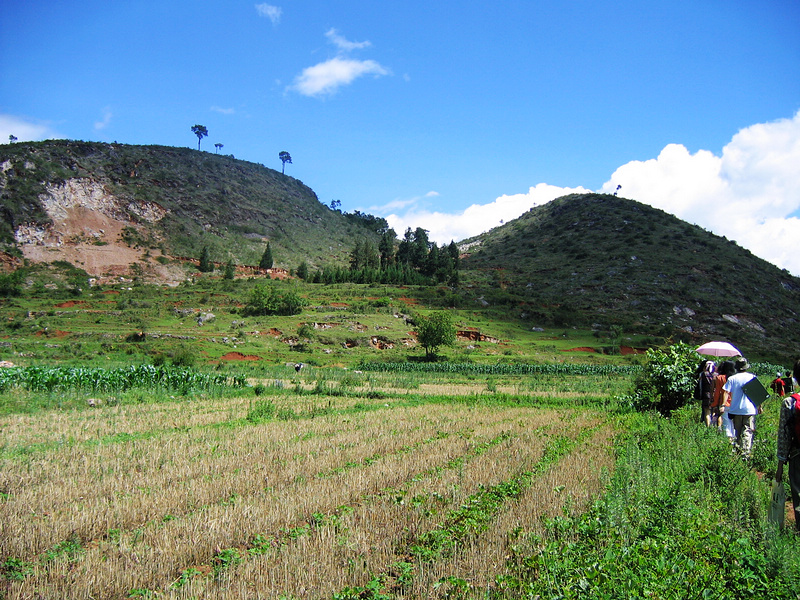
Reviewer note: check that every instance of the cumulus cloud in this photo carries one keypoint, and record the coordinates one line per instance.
(24, 130)
(477, 218)
(750, 193)
(273, 13)
(327, 77)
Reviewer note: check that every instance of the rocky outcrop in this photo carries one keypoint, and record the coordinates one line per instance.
(87, 228)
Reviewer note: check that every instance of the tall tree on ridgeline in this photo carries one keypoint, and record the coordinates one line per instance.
(200, 131)
(285, 158)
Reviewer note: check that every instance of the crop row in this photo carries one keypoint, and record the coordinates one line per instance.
(98, 379)
(499, 369)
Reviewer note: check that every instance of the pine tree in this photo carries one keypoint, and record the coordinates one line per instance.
(302, 270)
(206, 266)
(266, 258)
(230, 270)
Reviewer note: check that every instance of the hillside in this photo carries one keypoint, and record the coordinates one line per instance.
(599, 260)
(593, 262)
(105, 207)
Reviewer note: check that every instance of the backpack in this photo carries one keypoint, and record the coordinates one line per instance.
(794, 420)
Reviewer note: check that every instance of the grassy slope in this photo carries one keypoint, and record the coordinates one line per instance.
(601, 259)
(230, 205)
(580, 263)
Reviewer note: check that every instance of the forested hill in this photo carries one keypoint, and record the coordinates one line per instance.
(593, 258)
(107, 198)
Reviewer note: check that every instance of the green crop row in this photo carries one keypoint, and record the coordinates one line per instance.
(499, 369)
(98, 379)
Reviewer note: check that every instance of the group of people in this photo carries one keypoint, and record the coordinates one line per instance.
(726, 405)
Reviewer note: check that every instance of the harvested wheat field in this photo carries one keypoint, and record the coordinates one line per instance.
(220, 498)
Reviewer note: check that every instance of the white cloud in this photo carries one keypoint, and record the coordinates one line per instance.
(477, 218)
(343, 44)
(107, 114)
(273, 13)
(749, 194)
(223, 111)
(327, 77)
(24, 129)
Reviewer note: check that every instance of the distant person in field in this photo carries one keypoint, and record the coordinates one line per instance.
(788, 383)
(725, 370)
(789, 445)
(704, 389)
(742, 411)
(778, 385)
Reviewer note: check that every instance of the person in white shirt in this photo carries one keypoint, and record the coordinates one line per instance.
(742, 411)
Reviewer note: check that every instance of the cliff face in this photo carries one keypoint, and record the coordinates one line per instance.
(91, 228)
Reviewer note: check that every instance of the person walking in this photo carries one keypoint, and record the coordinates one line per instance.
(705, 390)
(725, 370)
(789, 445)
(742, 411)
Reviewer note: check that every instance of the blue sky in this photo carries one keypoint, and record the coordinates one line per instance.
(452, 116)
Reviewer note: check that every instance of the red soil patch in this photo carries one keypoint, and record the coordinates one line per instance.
(55, 333)
(580, 349)
(239, 356)
(408, 301)
(111, 292)
(628, 350)
(339, 304)
(70, 303)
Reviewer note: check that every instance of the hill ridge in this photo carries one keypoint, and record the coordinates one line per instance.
(584, 258)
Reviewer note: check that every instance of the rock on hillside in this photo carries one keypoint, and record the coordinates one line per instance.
(88, 226)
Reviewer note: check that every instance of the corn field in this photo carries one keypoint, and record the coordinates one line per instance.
(192, 499)
(98, 379)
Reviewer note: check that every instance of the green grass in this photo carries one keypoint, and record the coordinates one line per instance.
(682, 518)
(52, 321)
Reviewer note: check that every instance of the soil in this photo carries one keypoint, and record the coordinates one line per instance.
(239, 356)
(626, 350)
(86, 231)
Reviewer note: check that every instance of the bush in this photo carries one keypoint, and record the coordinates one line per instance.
(265, 300)
(666, 380)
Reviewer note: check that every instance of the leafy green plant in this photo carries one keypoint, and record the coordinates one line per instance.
(225, 559)
(261, 411)
(434, 331)
(15, 569)
(666, 380)
(185, 577)
(266, 300)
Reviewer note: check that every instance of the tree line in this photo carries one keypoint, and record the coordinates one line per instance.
(415, 260)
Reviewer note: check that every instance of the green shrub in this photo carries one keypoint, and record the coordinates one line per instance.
(666, 381)
(263, 410)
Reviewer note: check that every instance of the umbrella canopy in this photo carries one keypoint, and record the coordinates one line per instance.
(718, 349)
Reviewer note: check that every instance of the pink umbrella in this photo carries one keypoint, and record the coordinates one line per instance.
(718, 349)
